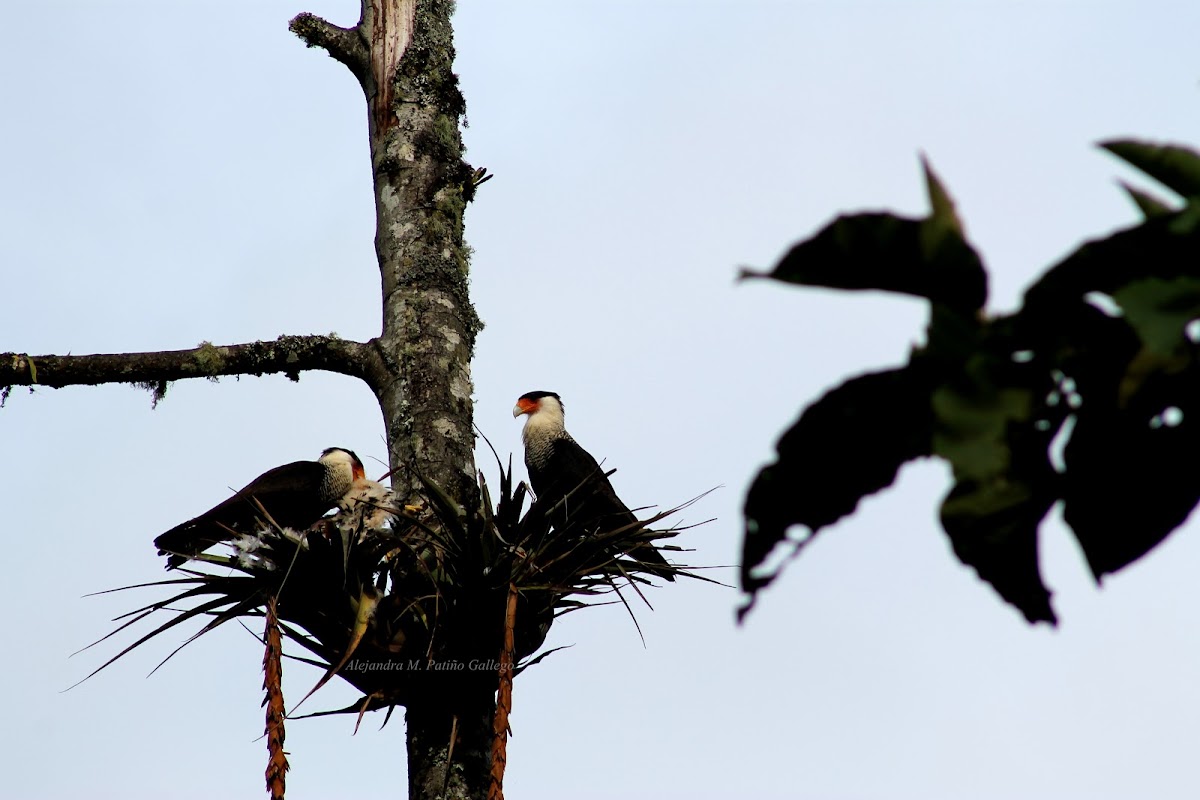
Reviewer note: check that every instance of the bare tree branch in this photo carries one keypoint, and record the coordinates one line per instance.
(344, 44)
(289, 355)
(372, 49)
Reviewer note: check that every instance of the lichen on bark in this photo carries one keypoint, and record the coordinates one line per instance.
(422, 185)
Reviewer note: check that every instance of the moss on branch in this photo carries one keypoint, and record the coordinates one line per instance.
(289, 355)
(344, 44)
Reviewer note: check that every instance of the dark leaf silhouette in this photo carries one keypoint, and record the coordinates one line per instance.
(995, 430)
(1104, 353)
(926, 257)
(845, 446)
(1173, 166)
(1127, 483)
(1148, 204)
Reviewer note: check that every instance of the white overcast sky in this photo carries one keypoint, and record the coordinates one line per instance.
(185, 171)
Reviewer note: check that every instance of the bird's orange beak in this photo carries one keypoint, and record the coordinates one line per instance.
(524, 406)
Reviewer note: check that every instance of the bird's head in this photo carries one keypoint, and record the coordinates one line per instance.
(544, 409)
(341, 458)
(534, 402)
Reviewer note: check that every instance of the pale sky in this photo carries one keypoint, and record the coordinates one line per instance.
(180, 172)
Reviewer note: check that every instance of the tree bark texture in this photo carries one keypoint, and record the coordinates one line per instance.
(289, 355)
(402, 53)
(430, 732)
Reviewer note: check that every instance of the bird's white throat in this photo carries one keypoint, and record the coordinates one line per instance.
(546, 422)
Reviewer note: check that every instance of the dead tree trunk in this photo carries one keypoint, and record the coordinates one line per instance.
(402, 52)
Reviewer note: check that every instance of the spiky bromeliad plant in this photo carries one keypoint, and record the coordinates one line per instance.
(410, 602)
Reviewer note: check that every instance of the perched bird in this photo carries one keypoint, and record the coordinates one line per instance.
(558, 465)
(295, 495)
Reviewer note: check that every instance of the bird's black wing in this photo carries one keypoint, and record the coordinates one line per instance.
(290, 494)
(572, 476)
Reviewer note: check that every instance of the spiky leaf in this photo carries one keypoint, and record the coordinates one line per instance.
(1148, 204)
(888, 252)
(1174, 166)
(927, 257)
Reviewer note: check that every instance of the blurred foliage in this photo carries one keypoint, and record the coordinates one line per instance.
(1100, 363)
